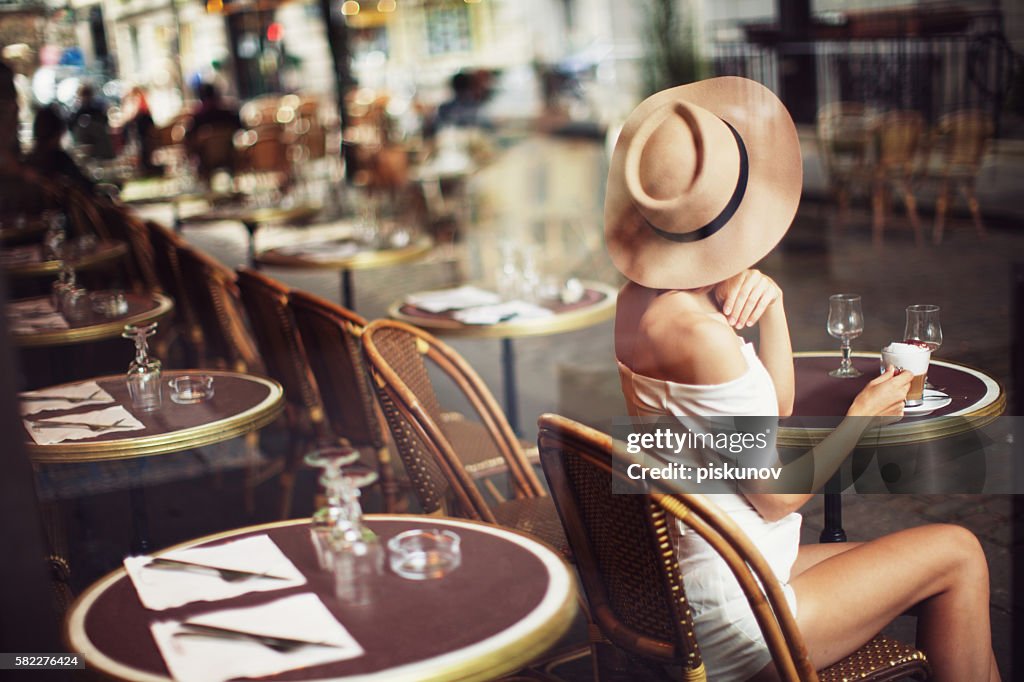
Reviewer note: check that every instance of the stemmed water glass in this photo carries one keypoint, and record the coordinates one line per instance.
(923, 327)
(144, 372)
(343, 544)
(845, 322)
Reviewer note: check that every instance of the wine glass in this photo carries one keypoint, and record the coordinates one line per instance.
(144, 372)
(845, 322)
(923, 327)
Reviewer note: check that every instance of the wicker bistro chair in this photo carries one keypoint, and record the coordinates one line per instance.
(280, 345)
(212, 293)
(632, 580)
(446, 457)
(844, 139)
(899, 141)
(330, 337)
(963, 137)
(168, 273)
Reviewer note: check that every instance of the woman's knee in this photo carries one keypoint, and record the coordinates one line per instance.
(963, 550)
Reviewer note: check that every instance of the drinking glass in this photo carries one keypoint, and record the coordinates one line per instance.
(845, 322)
(923, 326)
(143, 377)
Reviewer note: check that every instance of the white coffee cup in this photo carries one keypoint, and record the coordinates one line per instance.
(911, 358)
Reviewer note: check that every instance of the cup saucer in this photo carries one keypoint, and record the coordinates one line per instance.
(933, 400)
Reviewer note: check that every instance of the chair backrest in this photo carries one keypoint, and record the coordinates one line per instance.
(627, 563)
(330, 337)
(965, 135)
(125, 227)
(395, 354)
(266, 302)
(168, 272)
(898, 135)
(213, 295)
(214, 147)
(844, 131)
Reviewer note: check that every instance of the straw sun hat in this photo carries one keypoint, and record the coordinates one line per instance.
(703, 183)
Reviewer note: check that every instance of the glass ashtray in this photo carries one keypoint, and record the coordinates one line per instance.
(424, 554)
(191, 388)
(109, 303)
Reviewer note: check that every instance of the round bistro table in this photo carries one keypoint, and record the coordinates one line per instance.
(596, 305)
(27, 261)
(507, 603)
(242, 403)
(365, 258)
(821, 401)
(252, 217)
(142, 309)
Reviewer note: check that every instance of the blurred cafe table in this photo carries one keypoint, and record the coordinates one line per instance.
(241, 403)
(975, 400)
(506, 604)
(596, 303)
(253, 217)
(152, 191)
(28, 261)
(344, 255)
(34, 322)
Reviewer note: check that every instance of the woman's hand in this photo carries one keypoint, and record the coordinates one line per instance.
(883, 396)
(745, 297)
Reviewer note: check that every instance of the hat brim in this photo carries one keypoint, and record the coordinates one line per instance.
(765, 213)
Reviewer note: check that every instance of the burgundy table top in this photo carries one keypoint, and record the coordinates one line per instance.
(142, 309)
(507, 603)
(821, 400)
(819, 395)
(241, 403)
(596, 305)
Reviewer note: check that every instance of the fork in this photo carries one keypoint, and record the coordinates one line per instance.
(81, 425)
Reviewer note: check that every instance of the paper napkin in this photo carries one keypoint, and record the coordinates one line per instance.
(458, 298)
(116, 419)
(208, 659)
(161, 588)
(64, 397)
(502, 312)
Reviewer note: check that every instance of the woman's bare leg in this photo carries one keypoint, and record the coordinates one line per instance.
(847, 598)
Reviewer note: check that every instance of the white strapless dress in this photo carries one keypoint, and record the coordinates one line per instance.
(730, 641)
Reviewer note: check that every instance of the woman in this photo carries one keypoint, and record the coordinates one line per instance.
(704, 181)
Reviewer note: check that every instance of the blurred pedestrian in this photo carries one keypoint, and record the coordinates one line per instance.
(48, 157)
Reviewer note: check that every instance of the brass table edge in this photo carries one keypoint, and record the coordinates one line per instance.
(254, 418)
(499, 661)
(556, 324)
(358, 261)
(96, 332)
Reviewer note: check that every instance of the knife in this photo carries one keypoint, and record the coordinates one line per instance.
(228, 574)
(272, 641)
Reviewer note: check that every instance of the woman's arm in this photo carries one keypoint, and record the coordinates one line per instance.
(752, 297)
(880, 402)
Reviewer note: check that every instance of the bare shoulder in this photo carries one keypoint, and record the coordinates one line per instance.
(679, 343)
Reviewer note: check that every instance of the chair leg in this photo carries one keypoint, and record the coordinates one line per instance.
(911, 205)
(941, 206)
(972, 203)
(878, 210)
(843, 199)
